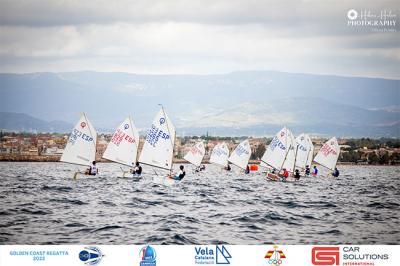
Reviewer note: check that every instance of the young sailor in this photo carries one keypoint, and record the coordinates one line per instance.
(308, 170)
(285, 174)
(315, 171)
(335, 173)
(180, 175)
(137, 170)
(297, 174)
(247, 171)
(92, 170)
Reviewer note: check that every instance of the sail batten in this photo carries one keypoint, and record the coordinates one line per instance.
(123, 146)
(159, 144)
(81, 145)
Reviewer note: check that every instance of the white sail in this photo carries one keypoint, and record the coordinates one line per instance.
(124, 144)
(303, 149)
(291, 155)
(196, 154)
(159, 145)
(81, 145)
(328, 154)
(220, 154)
(310, 152)
(241, 155)
(276, 151)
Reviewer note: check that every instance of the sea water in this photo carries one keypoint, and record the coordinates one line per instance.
(42, 204)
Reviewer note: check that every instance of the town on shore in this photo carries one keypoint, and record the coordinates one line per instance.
(46, 147)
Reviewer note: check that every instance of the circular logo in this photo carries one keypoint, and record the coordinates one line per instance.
(162, 120)
(83, 124)
(126, 126)
(282, 134)
(352, 14)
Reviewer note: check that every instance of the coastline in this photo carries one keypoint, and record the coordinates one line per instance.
(56, 158)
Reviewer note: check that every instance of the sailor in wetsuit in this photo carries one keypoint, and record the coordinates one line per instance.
(308, 171)
(180, 175)
(137, 170)
(297, 174)
(247, 171)
(335, 173)
(92, 170)
(315, 171)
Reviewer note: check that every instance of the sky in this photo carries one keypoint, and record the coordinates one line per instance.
(197, 37)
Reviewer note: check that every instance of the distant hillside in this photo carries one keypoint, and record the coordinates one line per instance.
(236, 103)
(26, 123)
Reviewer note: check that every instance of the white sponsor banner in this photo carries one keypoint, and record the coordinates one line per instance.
(176, 255)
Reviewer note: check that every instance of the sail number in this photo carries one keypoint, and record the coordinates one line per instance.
(276, 143)
(241, 150)
(220, 152)
(155, 134)
(326, 150)
(119, 136)
(78, 134)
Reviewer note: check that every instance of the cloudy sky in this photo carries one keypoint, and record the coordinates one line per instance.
(197, 37)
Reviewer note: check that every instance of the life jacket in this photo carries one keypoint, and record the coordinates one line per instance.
(93, 170)
(285, 173)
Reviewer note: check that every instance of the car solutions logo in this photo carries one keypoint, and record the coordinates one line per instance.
(211, 255)
(347, 255)
(325, 256)
(275, 256)
(91, 255)
(147, 256)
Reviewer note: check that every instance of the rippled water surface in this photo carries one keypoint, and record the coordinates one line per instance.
(42, 204)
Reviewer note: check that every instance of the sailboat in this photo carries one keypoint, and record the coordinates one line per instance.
(81, 145)
(278, 150)
(241, 155)
(123, 147)
(196, 154)
(303, 150)
(328, 155)
(159, 144)
(220, 154)
(310, 152)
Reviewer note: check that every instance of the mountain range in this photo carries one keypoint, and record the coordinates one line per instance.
(239, 103)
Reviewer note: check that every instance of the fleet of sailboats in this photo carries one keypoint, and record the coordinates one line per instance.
(284, 151)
